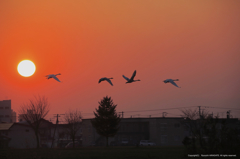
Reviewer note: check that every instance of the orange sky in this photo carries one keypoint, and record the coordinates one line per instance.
(194, 41)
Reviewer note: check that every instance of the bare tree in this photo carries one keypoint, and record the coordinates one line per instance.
(194, 122)
(194, 114)
(189, 113)
(209, 135)
(73, 118)
(33, 112)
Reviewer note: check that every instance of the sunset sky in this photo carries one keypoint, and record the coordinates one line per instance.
(197, 42)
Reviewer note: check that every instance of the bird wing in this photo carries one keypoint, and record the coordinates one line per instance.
(125, 78)
(109, 81)
(133, 75)
(56, 78)
(171, 81)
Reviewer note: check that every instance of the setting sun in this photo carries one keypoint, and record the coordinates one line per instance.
(26, 68)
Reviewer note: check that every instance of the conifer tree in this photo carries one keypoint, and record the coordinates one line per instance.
(106, 120)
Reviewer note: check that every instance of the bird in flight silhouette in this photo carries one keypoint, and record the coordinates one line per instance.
(53, 76)
(132, 78)
(171, 81)
(105, 79)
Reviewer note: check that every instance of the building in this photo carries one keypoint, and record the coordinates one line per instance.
(62, 136)
(19, 135)
(89, 135)
(56, 135)
(163, 131)
(4, 141)
(5, 111)
(13, 116)
(21, 118)
(46, 133)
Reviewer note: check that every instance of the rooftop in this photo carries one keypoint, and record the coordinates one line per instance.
(5, 126)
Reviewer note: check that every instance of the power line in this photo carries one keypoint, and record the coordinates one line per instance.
(158, 109)
(224, 108)
(91, 114)
(146, 110)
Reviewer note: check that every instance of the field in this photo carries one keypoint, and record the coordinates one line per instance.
(95, 153)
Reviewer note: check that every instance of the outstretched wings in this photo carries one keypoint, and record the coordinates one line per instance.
(125, 78)
(133, 75)
(171, 81)
(56, 78)
(105, 79)
(109, 81)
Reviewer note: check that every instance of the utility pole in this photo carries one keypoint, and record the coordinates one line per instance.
(122, 113)
(55, 128)
(228, 114)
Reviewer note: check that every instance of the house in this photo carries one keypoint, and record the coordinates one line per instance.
(4, 140)
(19, 135)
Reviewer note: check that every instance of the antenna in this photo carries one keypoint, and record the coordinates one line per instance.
(121, 113)
(163, 114)
(228, 114)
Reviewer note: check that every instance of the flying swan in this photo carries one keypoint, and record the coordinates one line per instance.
(132, 78)
(53, 76)
(172, 81)
(105, 79)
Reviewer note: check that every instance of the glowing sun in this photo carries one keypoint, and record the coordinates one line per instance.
(26, 68)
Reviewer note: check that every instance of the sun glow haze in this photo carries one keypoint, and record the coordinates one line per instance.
(196, 42)
(26, 68)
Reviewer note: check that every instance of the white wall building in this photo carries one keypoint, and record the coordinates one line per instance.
(5, 111)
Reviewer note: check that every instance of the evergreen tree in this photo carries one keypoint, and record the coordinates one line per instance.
(106, 120)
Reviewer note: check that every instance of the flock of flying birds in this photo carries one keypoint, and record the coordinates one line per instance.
(109, 79)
